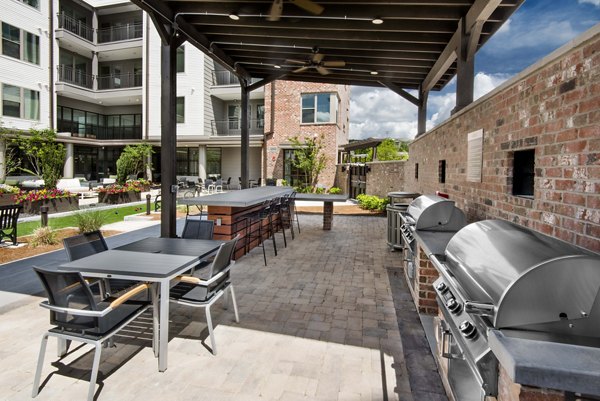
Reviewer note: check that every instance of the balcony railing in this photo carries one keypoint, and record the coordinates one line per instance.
(117, 81)
(70, 75)
(75, 26)
(224, 78)
(81, 130)
(129, 31)
(233, 127)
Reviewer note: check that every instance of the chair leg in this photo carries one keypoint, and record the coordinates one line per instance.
(94, 375)
(262, 244)
(38, 371)
(272, 233)
(282, 229)
(213, 344)
(296, 218)
(289, 220)
(235, 309)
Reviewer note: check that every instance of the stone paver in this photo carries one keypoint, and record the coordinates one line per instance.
(325, 320)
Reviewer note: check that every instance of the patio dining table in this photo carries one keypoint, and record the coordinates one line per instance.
(150, 260)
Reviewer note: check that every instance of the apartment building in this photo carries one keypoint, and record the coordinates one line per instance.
(97, 81)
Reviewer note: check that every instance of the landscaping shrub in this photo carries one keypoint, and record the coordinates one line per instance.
(43, 236)
(319, 190)
(88, 221)
(372, 202)
(335, 190)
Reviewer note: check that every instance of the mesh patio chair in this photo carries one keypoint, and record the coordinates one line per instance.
(86, 244)
(205, 288)
(198, 229)
(262, 217)
(277, 219)
(285, 213)
(77, 316)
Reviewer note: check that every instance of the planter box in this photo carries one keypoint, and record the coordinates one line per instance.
(7, 199)
(54, 205)
(123, 197)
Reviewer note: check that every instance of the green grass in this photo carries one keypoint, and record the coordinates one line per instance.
(109, 216)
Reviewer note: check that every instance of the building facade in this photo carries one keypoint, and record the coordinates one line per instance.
(91, 70)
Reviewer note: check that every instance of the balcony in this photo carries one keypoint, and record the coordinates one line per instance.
(68, 74)
(76, 27)
(91, 131)
(129, 31)
(120, 81)
(232, 127)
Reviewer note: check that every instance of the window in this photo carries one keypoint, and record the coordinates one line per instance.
(319, 108)
(11, 101)
(20, 103)
(32, 3)
(260, 116)
(180, 59)
(416, 171)
(180, 110)
(442, 171)
(292, 174)
(31, 50)
(523, 172)
(213, 161)
(12, 39)
(187, 161)
(233, 116)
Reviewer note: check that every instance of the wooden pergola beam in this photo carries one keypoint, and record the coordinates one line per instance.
(397, 89)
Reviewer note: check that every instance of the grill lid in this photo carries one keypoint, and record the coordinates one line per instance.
(531, 280)
(432, 212)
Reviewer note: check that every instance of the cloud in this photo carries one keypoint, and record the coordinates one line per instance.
(382, 113)
(593, 2)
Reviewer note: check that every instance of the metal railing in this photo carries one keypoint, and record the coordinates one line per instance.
(224, 78)
(129, 31)
(117, 81)
(68, 74)
(75, 26)
(233, 127)
(81, 130)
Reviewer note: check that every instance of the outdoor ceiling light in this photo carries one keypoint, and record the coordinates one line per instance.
(234, 16)
(377, 21)
(374, 73)
(276, 66)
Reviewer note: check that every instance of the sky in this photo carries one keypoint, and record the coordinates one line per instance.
(536, 29)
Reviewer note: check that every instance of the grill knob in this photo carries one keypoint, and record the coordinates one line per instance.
(453, 306)
(442, 287)
(467, 329)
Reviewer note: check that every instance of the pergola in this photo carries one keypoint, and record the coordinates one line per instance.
(395, 44)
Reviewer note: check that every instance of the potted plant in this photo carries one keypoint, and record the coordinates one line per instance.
(57, 200)
(7, 194)
(115, 194)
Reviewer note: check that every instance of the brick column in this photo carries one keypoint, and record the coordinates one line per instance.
(327, 215)
(426, 275)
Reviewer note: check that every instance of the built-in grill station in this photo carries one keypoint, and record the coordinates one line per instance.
(426, 213)
(498, 275)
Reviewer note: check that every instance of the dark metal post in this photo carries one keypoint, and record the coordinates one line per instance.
(422, 113)
(168, 138)
(148, 197)
(465, 72)
(44, 215)
(245, 168)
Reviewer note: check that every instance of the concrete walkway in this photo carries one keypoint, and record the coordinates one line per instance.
(329, 318)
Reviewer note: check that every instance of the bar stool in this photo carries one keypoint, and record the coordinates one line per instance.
(293, 211)
(260, 217)
(286, 213)
(278, 219)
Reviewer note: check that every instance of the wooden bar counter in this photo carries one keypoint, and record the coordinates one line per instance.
(229, 211)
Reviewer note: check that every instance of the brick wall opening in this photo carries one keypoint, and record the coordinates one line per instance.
(523, 172)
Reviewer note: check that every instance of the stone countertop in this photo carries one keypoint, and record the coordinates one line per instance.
(239, 198)
(322, 197)
(434, 242)
(547, 364)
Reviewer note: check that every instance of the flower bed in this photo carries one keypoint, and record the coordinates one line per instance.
(57, 200)
(119, 197)
(8, 194)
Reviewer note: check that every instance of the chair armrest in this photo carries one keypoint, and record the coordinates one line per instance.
(76, 312)
(131, 293)
(199, 281)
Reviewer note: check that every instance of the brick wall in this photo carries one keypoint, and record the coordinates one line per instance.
(283, 121)
(552, 107)
(385, 177)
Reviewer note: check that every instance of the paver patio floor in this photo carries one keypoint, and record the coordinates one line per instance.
(329, 318)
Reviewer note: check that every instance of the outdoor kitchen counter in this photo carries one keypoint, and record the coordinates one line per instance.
(546, 364)
(433, 242)
(229, 211)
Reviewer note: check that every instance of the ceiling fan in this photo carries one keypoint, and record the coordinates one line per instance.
(316, 62)
(308, 5)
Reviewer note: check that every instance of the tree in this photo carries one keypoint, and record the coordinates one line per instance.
(11, 162)
(45, 155)
(388, 150)
(309, 157)
(133, 160)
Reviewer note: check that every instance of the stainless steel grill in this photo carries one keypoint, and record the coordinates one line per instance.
(426, 213)
(496, 274)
